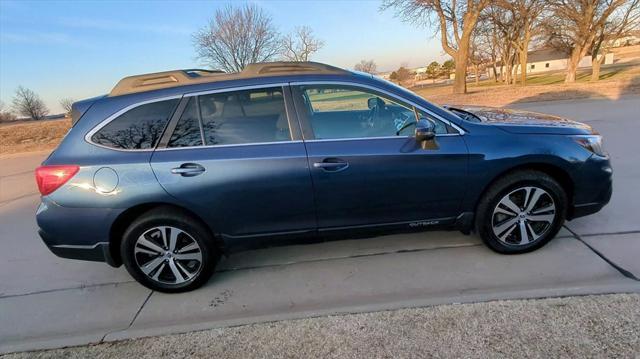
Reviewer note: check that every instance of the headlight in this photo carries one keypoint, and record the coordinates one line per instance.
(593, 143)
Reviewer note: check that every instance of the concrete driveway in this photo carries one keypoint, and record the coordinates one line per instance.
(47, 301)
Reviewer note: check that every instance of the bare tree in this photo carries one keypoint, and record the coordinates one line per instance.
(67, 104)
(528, 17)
(300, 45)
(576, 23)
(505, 30)
(28, 103)
(456, 23)
(236, 37)
(478, 58)
(486, 42)
(621, 23)
(5, 114)
(402, 74)
(368, 66)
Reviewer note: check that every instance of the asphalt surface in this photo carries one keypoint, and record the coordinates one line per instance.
(47, 301)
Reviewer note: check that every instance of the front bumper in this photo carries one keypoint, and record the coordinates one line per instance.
(594, 188)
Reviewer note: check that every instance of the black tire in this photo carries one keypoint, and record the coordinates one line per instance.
(193, 231)
(511, 183)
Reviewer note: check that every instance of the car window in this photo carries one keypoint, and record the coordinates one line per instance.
(248, 116)
(187, 132)
(336, 111)
(440, 127)
(138, 128)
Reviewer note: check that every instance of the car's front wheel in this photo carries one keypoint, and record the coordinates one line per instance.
(168, 251)
(521, 212)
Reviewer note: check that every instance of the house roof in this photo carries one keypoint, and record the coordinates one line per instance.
(548, 54)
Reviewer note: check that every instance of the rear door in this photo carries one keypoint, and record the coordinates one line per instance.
(236, 156)
(366, 166)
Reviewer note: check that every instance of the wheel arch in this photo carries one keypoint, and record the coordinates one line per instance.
(124, 219)
(554, 171)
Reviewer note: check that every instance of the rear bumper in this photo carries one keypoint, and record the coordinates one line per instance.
(76, 233)
(98, 252)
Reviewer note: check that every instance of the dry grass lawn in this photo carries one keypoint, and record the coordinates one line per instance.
(31, 136)
(549, 87)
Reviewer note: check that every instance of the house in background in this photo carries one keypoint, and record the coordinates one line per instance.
(633, 38)
(549, 59)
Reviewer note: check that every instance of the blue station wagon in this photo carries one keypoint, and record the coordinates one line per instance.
(171, 170)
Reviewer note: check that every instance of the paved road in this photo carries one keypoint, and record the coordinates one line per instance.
(46, 301)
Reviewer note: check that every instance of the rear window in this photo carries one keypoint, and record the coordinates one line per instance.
(137, 129)
(232, 118)
(242, 117)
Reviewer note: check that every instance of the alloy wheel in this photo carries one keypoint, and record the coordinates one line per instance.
(523, 216)
(168, 255)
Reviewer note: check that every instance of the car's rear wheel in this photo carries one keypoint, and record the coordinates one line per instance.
(168, 251)
(521, 212)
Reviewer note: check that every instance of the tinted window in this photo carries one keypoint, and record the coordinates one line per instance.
(350, 112)
(187, 132)
(249, 116)
(138, 128)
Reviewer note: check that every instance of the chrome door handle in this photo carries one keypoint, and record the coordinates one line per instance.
(331, 165)
(188, 170)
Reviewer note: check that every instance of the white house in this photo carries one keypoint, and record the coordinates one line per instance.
(551, 59)
(633, 38)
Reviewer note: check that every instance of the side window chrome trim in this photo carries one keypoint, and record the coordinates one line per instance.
(374, 138)
(229, 145)
(106, 121)
(393, 96)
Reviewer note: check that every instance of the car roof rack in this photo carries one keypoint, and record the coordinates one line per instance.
(168, 79)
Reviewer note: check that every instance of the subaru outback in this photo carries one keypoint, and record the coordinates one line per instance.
(171, 170)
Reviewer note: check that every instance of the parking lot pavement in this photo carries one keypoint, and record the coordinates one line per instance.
(27, 266)
(47, 301)
(67, 317)
(621, 249)
(618, 121)
(16, 177)
(376, 282)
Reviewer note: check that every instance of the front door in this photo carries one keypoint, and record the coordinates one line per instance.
(233, 157)
(366, 167)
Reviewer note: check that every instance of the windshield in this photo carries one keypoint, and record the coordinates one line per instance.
(410, 93)
(465, 115)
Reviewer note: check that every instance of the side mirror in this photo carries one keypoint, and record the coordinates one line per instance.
(372, 102)
(425, 130)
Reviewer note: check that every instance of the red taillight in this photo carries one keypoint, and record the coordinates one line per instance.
(50, 178)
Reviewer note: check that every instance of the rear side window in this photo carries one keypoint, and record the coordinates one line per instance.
(187, 132)
(243, 117)
(137, 129)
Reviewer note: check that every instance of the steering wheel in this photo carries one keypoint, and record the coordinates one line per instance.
(406, 125)
(376, 105)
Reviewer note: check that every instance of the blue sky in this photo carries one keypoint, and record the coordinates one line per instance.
(80, 49)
